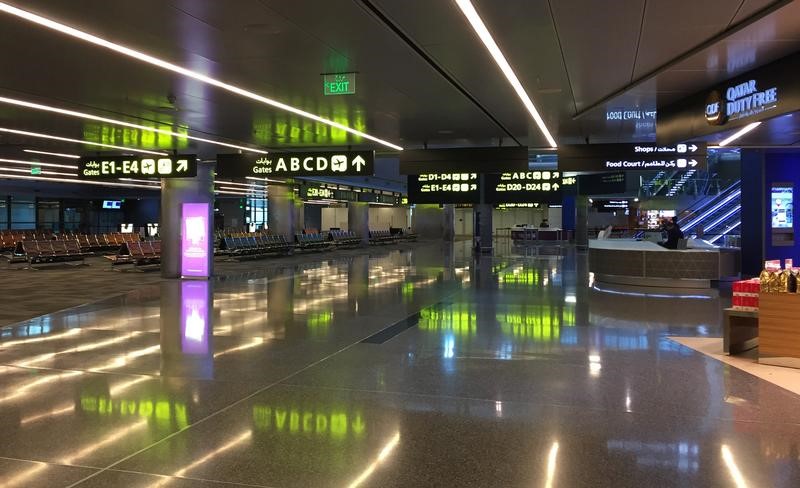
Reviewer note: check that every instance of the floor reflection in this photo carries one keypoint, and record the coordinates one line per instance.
(516, 370)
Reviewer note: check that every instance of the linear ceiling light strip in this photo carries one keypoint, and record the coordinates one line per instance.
(36, 163)
(81, 115)
(85, 36)
(60, 155)
(744, 130)
(28, 171)
(80, 182)
(78, 141)
(483, 33)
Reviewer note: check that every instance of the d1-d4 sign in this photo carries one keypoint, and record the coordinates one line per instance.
(114, 167)
(343, 163)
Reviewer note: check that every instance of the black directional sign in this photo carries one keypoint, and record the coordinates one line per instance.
(632, 157)
(444, 188)
(339, 163)
(114, 167)
(523, 187)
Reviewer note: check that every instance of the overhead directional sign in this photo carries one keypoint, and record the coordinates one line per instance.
(444, 188)
(632, 157)
(114, 167)
(341, 163)
(523, 187)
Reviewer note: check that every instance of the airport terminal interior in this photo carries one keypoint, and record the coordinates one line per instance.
(399, 243)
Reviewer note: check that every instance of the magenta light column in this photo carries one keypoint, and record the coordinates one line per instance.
(176, 192)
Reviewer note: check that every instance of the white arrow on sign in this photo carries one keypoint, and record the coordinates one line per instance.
(693, 163)
(183, 165)
(693, 147)
(359, 163)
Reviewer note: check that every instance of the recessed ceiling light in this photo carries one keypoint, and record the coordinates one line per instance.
(36, 163)
(60, 155)
(739, 133)
(80, 182)
(28, 171)
(486, 37)
(81, 115)
(85, 36)
(78, 141)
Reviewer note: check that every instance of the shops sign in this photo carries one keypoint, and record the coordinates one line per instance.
(740, 101)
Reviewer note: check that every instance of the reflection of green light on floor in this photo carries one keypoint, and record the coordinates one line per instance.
(462, 322)
(164, 412)
(408, 290)
(335, 424)
(535, 322)
(529, 277)
(318, 323)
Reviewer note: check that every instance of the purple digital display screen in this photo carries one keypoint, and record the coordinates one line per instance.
(195, 243)
(195, 317)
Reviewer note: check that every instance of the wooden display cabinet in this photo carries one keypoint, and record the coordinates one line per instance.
(779, 329)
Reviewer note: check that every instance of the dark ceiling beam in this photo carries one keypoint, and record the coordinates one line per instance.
(375, 11)
(686, 55)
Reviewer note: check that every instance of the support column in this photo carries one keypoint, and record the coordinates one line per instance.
(281, 211)
(754, 211)
(174, 193)
(358, 220)
(482, 228)
(299, 215)
(449, 222)
(582, 222)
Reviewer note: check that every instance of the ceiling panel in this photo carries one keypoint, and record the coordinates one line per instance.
(599, 45)
(672, 28)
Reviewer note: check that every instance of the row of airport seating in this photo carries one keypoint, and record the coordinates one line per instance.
(253, 246)
(138, 254)
(382, 237)
(344, 238)
(50, 251)
(10, 238)
(311, 242)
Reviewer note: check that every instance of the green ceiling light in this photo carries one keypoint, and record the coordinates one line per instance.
(132, 53)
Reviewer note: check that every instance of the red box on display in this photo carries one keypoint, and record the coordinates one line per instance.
(745, 295)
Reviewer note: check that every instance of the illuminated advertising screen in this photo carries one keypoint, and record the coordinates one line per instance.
(195, 315)
(444, 188)
(782, 206)
(195, 240)
(115, 167)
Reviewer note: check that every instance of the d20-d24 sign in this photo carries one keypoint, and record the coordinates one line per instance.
(114, 167)
(344, 163)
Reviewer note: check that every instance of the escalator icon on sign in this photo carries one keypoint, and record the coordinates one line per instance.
(339, 163)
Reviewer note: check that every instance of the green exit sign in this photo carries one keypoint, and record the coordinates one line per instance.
(339, 83)
(36, 171)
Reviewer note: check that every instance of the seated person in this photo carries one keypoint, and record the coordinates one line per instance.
(545, 224)
(674, 235)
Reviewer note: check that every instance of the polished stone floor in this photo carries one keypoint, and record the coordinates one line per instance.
(408, 368)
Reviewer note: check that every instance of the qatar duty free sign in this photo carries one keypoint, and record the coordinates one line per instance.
(340, 163)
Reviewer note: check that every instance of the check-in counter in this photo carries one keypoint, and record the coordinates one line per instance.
(644, 263)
